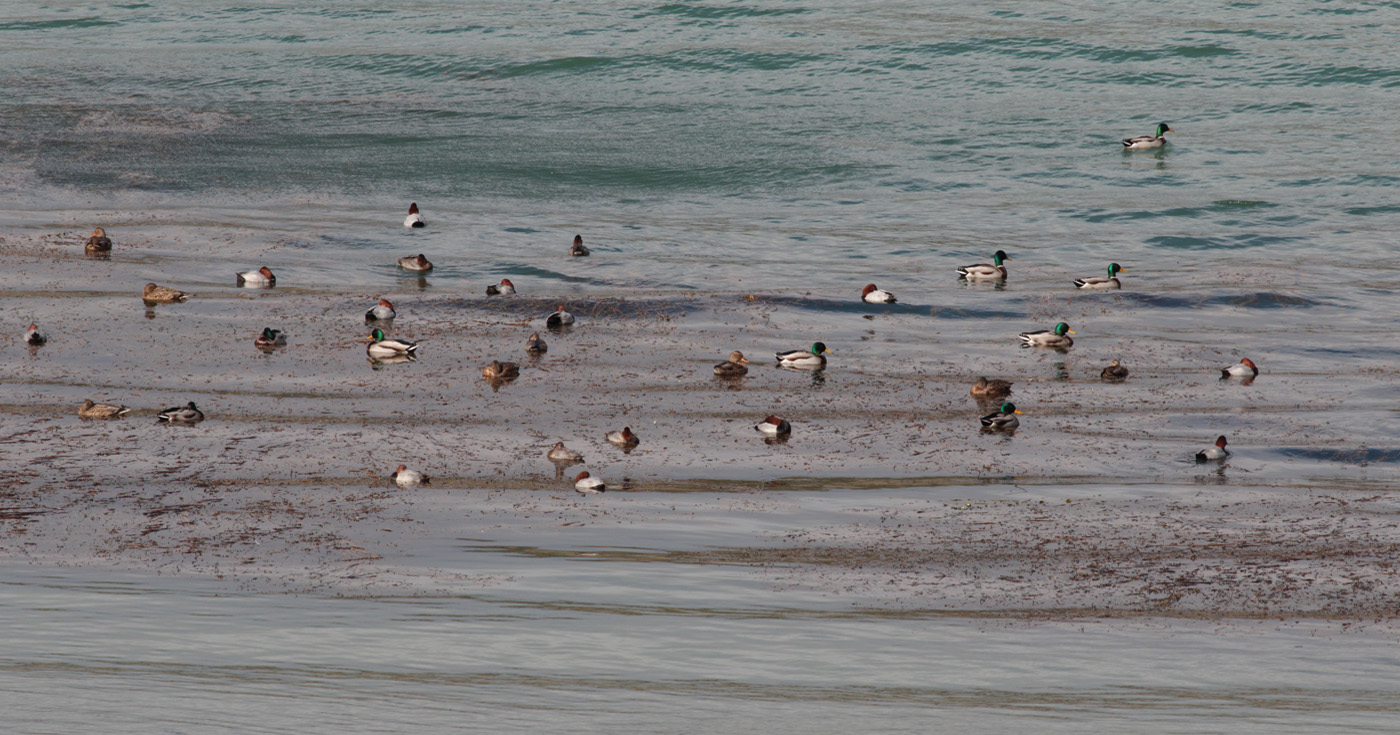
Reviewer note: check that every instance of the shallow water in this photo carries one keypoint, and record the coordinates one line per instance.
(740, 170)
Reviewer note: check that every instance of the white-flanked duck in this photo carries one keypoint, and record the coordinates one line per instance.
(504, 288)
(186, 414)
(559, 318)
(624, 438)
(1056, 338)
(1101, 284)
(404, 477)
(260, 278)
(773, 426)
(91, 410)
(588, 484)
(382, 346)
(1003, 419)
(1243, 369)
(872, 295)
(382, 312)
(1145, 142)
(810, 359)
(1216, 451)
(414, 219)
(33, 337)
(418, 263)
(993, 271)
(561, 454)
(578, 250)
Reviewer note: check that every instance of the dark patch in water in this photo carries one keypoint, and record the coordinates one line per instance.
(1224, 242)
(524, 230)
(1263, 300)
(585, 308)
(1359, 455)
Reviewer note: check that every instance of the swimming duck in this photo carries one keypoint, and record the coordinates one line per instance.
(1004, 419)
(1114, 371)
(985, 388)
(773, 426)
(559, 318)
(261, 277)
(624, 438)
(588, 484)
(1144, 142)
(32, 336)
(382, 312)
(536, 346)
(90, 410)
(186, 414)
(153, 294)
(498, 370)
(415, 263)
(504, 288)
(270, 338)
(414, 219)
(872, 295)
(1243, 369)
(99, 242)
(1217, 451)
(1102, 283)
(813, 359)
(404, 477)
(578, 250)
(382, 346)
(993, 271)
(734, 366)
(563, 455)
(1055, 338)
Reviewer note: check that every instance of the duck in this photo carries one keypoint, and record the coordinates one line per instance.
(993, 388)
(415, 263)
(381, 312)
(382, 346)
(773, 426)
(1215, 451)
(813, 359)
(186, 414)
(559, 318)
(1114, 371)
(99, 242)
(33, 337)
(260, 277)
(624, 438)
(404, 477)
(587, 484)
(414, 219)
(734, 366)
(1004, 419)
(536, 346)
(498, 370)
(578, 250)
(1144, 142)
(153, 294)
(1243, 369)
(993, 271)
(91, 410)
(563, 455)
(270, 338)
(504, 288)
(1102, 283)
(872, 295)
(1055, 338)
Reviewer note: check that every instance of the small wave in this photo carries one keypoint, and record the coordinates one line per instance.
(154, 122)
(1220, 242)
(1359, 455)
(47, 25)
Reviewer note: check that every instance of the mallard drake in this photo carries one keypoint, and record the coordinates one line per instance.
(1055, 338)
(99, 242)
(773, 426)
(563, 455)
(1243, 369)
(578, 250)
(872, 295)
(382, 346)
(813, 359)
(186, 414)
(1144, 142)
(994, 388)
(588, 484)
(382, 312)
(414, 219)
(1114, 371)
(33, 337)
(559, 318)
(415, 263)
(993, 271)
(259, 278)
(1004, 419)
(153, 294)
(270, 338)
(734, 366)
(504, 288)
(498, 370)
(404, 477)
(90, 410)
(624, 438)
(1102, 283)
(536, 346)
(1217, 451)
